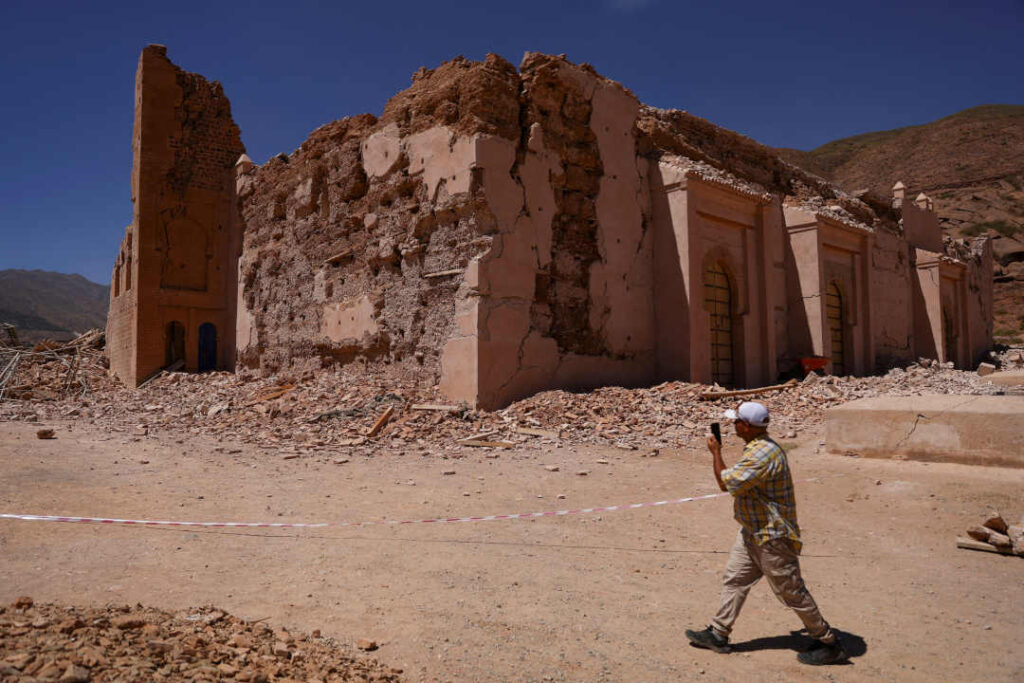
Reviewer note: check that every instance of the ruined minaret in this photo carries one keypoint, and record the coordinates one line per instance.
(173, 296)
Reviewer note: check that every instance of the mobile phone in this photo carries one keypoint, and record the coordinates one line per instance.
(716, 431)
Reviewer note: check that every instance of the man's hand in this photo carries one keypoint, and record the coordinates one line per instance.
(717, 464)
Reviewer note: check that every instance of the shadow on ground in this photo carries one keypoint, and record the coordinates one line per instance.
(799, 641)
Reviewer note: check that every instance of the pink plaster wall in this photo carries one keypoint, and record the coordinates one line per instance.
(895, 302)
(979, 300)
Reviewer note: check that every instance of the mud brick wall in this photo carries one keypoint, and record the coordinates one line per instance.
(476, 168)
(121, 316)
(185, 226)
(350, 242)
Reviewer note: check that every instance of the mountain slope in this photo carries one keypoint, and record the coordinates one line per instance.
(43, 304)
(970, 163)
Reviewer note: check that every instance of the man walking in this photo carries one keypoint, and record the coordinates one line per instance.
(768, 543)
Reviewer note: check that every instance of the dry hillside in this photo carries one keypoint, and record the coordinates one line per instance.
(970, 163)
(48, 305)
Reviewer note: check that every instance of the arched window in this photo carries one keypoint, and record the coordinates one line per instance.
(207, 347)
(718, 301)
(836, 327)
(175, 343)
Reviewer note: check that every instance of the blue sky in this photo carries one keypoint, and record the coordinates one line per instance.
(785, 73)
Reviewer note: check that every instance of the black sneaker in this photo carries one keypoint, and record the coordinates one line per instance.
(822, 654)
(708, 640)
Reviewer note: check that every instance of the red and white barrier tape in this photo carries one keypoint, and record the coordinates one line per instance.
(320, 525)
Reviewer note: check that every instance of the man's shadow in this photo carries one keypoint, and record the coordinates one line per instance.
(799, 641)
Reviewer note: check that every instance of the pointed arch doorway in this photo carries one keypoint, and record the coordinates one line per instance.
(836, 328)
(719, 303)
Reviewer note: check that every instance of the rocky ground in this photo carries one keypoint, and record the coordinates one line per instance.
(586, 597)
(596, 597)
(135, 643)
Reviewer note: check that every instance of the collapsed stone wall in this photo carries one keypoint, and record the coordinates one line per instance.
(343, 236)
(353, 248)
(490, 233)
(679, 132)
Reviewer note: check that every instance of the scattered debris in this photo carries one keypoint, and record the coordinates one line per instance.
(366, 644)
(305, 413)
(51, 642)
(477, 443)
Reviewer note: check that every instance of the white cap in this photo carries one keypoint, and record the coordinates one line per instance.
(751, 412)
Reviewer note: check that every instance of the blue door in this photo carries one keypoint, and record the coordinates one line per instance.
(207, 347)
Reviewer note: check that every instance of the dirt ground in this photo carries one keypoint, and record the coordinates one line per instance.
(599, 597)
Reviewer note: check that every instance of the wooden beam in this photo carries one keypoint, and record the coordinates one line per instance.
(444, 273)
(277, 393)
(971, 544)
(712, 395)
(381, 421)
(436, 406)
(531, 431)
(338, 257)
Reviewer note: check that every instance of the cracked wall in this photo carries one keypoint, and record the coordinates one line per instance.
(497, 232)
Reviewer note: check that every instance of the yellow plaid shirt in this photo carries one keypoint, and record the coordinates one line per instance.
(762, 489)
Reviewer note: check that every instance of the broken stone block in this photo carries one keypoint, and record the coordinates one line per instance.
(128, 622)
(979, 533)
(46, 434)
(999, 540)
(995, 521)
(1016, 534)
(75, 674)
(986, 369)
(366, 644)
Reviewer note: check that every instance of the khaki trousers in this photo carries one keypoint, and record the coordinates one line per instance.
(777, 561)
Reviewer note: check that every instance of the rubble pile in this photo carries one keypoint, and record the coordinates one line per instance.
(994, 535)
(365, 413)
(51, 642)
(55, 370)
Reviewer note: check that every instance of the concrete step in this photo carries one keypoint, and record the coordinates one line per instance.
(1007, 378)
(976, 430)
